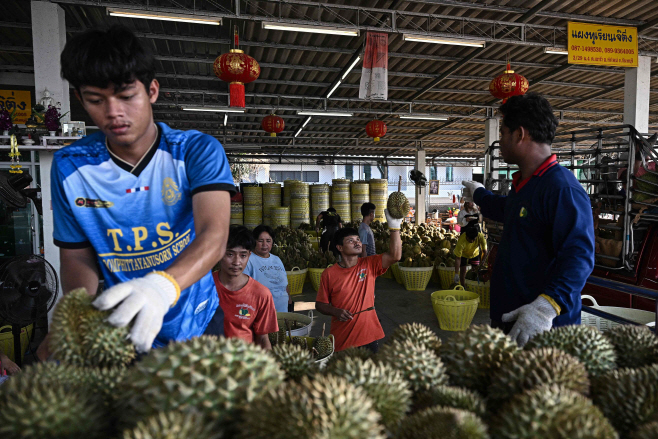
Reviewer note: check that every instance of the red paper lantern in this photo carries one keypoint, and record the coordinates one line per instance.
(273, 124)
(508, 84)
(237, 68)
(376, 129)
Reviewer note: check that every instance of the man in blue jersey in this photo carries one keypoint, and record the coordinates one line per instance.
(149, 203)
(546, 252)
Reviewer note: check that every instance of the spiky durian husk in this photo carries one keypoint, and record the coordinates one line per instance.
(51, 401)
(449, 396)
(386, 387)
(295, 361)
(628, 397)
(418, 333)
(647, 431)
(473, 356)
(443, 423)
(173, 425)
(422, 368)
(585, 343)
(551, 412)
(361, 353)
(323, 346)
(635, 346)
(79, 334)
(326, 407)
(210, 375)
(534, 368)
(398, 205)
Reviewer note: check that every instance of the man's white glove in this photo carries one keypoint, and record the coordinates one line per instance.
(472, 186)
(393, 223)
(456, 279)
(531, 319)
(149, 298)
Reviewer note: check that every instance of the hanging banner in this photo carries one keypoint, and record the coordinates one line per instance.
(18, 100)
(374, 75)
(601, 45)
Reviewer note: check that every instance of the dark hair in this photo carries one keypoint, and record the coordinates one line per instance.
(240, 236)
(533, 113)
(472, 232)
(103, 57)
(339, 236)
(331, 209)
(366, 208)
(263, 228)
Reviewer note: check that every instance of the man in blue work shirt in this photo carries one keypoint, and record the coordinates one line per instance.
(547, 249)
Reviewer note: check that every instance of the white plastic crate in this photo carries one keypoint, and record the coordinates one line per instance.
(637, 315)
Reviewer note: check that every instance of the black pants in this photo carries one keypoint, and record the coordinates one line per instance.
(326, 238)
(374, 346)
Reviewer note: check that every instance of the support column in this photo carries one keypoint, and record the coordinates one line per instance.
(48, 39)
(420, 191)
(491, 134)
(636, 94)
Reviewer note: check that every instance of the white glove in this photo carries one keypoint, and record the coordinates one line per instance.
(393, 223)
(149, 298)
(531, 319)
(472, 186)
(455, 279)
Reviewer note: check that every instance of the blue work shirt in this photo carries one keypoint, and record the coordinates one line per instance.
(547, 245)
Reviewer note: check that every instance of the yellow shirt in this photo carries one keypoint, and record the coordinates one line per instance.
(469, 250)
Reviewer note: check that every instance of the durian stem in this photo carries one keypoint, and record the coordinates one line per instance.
(323, 326)
(400, 184)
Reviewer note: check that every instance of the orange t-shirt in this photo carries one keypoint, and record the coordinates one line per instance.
(353, 289)
(248, 311)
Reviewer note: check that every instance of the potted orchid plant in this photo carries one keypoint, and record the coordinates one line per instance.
(51, 119)
(5, 122)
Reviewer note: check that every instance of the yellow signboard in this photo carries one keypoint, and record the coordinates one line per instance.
(600, 45)
(17, 101)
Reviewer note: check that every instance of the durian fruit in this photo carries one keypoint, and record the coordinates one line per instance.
(397, 204)
(214, 376)
(173, 425)
(323, 346)
(635, 346)
(628, 397)
(274, 338)
(421, 367)
(49, 400)
(647, 431)
(386, 387)
(449, 396)
(325, 407)
(417, 333)
(551, 412)
(361, 353)
(442, 423)
(585, 343)
(295, 361)
(299, 341)
(79, 334)
(473, 356)
(534, 368)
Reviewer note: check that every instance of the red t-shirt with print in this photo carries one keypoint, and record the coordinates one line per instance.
(353, 289)
(247, 311)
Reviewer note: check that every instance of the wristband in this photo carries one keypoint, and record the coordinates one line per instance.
(553, 303)
(171, 279)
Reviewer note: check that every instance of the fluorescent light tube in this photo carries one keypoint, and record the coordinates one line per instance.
(323, 113)
(423, 117)
(129, 13)
(215, 109)
(358, 58)
(333, 89)
(439, 40)
(307, 121)
(225, 119)
(297, 133)
(312, 29)
(556, 50)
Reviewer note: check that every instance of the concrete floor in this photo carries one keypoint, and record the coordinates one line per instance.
(394, 306)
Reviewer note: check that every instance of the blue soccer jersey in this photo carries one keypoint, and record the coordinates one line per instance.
(139, 219)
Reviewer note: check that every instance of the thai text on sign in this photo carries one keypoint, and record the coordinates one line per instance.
(601, 45)
(18, 102)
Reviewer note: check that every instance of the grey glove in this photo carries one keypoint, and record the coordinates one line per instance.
(531, 319)
(472, 186)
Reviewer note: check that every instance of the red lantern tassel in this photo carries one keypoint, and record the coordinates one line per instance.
(236, 91)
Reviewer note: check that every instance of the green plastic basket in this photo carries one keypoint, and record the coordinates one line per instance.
(296, 279)
(416, 278)
(455, 309)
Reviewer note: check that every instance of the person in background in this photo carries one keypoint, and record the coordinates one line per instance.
(546, 252)
(347, 288)
(268, 269)
(330, 222)
(365, 232)
(247, 305)
(469, 214)
(470, 249)
(7, 367)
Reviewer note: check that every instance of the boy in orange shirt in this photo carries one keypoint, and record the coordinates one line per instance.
(248, 306)
(348, 287)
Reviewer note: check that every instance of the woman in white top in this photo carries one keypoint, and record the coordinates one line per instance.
(468, 214)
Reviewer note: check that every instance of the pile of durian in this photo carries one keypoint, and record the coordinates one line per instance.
(293, 247)
(569, 383)
(321, 260)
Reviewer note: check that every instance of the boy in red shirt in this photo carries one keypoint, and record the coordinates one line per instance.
(248, 306)
(348, 287)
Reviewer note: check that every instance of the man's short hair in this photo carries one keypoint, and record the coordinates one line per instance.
(240, 236)
(263, 228)
(339, 237)
(472, 232)
(332, 210)
(533, 113)
(367, 208)
(103, 57)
